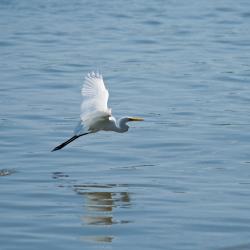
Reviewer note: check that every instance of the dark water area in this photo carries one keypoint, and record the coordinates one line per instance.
(178, 180)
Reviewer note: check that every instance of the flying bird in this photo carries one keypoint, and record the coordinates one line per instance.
(95, 113)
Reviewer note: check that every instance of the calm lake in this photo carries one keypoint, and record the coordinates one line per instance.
(180, 180)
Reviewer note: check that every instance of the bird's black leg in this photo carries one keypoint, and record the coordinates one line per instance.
(67, 142)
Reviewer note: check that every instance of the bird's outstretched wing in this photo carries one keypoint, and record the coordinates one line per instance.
(94, 106)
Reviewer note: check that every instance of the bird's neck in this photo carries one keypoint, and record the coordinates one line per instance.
(122, 125)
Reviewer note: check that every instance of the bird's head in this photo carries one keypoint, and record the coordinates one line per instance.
(123, 122)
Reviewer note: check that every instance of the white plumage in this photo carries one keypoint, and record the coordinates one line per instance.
(95, 114)
(94, 106)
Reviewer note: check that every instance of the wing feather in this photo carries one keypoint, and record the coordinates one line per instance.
(94, 106)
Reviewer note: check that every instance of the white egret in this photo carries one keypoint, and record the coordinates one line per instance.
(95, 114)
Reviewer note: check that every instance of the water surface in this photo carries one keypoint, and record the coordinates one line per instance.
(179, 180)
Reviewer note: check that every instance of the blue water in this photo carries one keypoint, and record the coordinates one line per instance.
(179, 180)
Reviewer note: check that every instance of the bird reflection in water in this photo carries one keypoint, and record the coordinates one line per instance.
(100, 204)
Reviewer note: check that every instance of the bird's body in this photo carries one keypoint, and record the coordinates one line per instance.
(95, 114)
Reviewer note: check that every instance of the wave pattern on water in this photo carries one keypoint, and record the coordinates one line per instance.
(178, 180)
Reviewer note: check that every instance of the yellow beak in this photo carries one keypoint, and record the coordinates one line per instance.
(135, 119)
